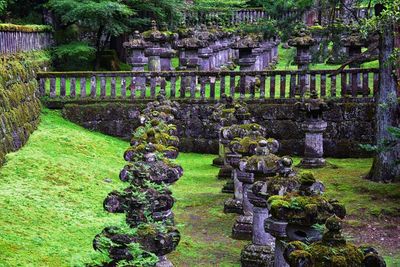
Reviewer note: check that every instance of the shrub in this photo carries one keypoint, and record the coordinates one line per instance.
(75, 56)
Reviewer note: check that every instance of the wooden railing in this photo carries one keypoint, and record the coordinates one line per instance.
(208, 85)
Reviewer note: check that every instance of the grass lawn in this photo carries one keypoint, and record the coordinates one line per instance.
(51, 194)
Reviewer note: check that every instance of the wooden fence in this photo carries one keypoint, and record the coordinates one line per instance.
(17, 41)
(208, 85)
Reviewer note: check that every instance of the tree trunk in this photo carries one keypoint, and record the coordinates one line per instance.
(98, 47)
(384, 168)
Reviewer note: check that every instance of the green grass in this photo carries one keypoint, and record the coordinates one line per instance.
(51, 194)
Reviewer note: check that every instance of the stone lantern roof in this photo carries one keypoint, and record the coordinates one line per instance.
(302, 38)
(332, 250)
(353, 39)
(137, 41)
(191, 41)
(249, 41)
(156, 36)
(313, 107)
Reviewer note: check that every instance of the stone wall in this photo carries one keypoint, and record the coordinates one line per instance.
(19, 105)
(350, 123)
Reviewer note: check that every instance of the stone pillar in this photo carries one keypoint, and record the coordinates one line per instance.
(302, 40)
(247, 63)
(154, 55)
(166, 56)
(314, 127)
(205, 54)
(234, 205)
(260, 252)
(243, 227)
(314, 144)
(136, 58)
(278, 230)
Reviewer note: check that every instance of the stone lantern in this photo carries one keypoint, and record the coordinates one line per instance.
(332, 250)
(258, 167)
(274, 177)
(160, 53)
(293, 215)
(303, 41)
(354, 43)
(190, 47)
(136, 58)
(314, 126)
(247, 59)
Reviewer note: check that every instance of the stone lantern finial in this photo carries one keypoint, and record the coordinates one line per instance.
(154, 25)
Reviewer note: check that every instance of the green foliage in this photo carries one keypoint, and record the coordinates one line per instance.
(223, 5)
(168, 12)
(73, 56)
(3, 6)
(24, 28)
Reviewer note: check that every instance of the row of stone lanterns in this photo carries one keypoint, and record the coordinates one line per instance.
(204, 49)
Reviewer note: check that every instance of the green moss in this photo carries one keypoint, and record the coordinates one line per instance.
(25, 28)
(307, 178)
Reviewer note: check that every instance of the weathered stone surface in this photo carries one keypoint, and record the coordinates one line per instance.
(257, 256)
(342, 138)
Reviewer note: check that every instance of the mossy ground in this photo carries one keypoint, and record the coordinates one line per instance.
(51, 194)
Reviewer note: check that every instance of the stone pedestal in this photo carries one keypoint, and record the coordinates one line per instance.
(314, 144)
(234, 205)
(205, 54)
(278, 230)
(247, 63)
(166, 56)
(260, 252)
(154, 54)
(164, 262)
(243, 227)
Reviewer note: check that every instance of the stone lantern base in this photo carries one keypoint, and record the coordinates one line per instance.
(229, 187)
(243, 228)
(164, 262)
(225, 172)
(233, 206)
(312, 163)
(257, 256)
(218, 162)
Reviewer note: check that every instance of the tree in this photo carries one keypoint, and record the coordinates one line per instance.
(105, 18)
(386, 166)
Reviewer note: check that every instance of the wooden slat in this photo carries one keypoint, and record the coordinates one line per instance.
(302, 84)
(212, 87)
(282, 93)
(365, 88)
(163, 85)
(354, 84)
(232, 85)
(222, 86)
(63, 87)
(376, 83)
(262, 86)
(132, 88)
(72, 87)
(182, 88)
(173, 86)
(192, 86)
(202, 87)
(323, 85)
(123, 87)
(144, 88)
(252, 90)
(272, 87)
(333, 86)
(93, 86)
(103, 83)
(113, 87)
(242, 87)
(83, 87)
(42, 86)
(343, 84)
(153, 83)
(313, 82)
(53, 93)
(292, 92)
